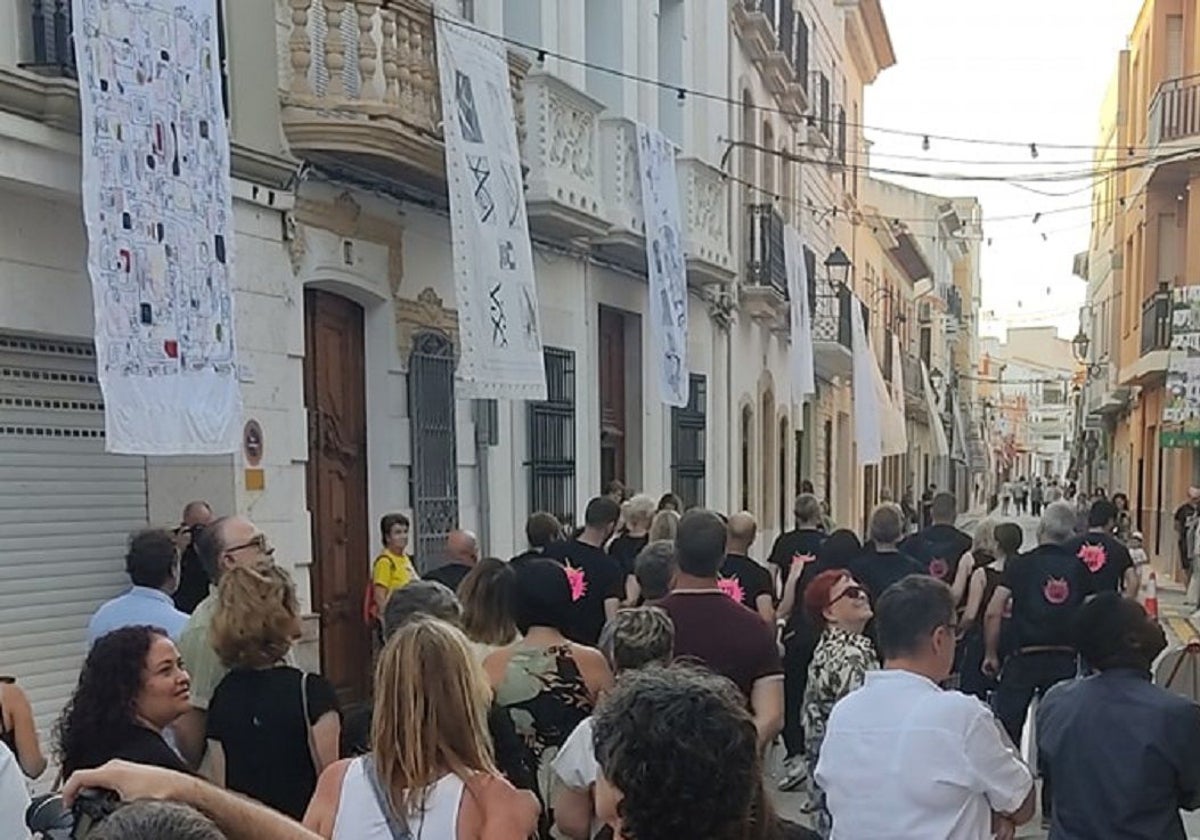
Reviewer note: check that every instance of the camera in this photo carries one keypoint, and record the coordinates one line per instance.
(50, 819)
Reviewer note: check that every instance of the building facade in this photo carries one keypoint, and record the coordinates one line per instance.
(347, 327)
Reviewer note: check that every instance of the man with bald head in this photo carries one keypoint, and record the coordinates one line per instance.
(193, 582)
(229, 542)
(743, 578)
(462, 553)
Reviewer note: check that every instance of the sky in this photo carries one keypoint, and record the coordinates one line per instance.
(1030, 71)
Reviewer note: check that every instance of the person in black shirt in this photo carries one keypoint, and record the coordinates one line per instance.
(743, 578)
(926, 505)
(940, 547)
(597, 582)
(193, 580)
(462, 553)
(638, 513)
(1184, 514)
(541, 530)
(883, 563)
(1105, 557)
(1047, 585)
(131, 688)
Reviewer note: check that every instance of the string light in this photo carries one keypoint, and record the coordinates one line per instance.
(1033, 151)
(925, 143)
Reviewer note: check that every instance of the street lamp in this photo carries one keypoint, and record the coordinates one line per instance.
(1081, 343)
(837, 265)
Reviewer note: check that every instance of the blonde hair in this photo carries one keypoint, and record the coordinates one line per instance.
(664, 526)
(430, 717)
(985, 537)
(257, 617)
(640, 510)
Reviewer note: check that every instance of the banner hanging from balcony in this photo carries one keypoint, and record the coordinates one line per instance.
(665, 263)
(159, 218)
(800, 354)
(868, 409)
(500, 356)
(1181, 413)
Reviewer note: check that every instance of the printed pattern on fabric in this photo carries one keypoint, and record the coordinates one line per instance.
(159, 216)
(1093, 556)
(839, 665)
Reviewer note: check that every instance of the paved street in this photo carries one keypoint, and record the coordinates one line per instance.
(1175, 620)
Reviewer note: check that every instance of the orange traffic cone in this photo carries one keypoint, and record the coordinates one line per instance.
(1150, 602)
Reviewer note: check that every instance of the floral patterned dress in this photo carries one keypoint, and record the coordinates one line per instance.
(839, 666)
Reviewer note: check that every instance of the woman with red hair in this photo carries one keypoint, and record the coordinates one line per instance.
(840, 608)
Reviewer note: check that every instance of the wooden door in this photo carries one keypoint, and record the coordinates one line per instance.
(335, 397)
(612, 398)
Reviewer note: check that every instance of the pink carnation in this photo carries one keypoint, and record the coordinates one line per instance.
(1093, 556)
(732, 587)
(578, 581)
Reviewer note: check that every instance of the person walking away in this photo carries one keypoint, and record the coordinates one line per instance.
(742, 578)
(547, 683)
(393, 568)
(1023, 496)
(1106, 558)
(489, 603)
(718, 632)
(1005, 497)
(1122, 752)
(226, 543)
(840, 607)
(905, 760)
(542, 530)
(794, 561)
(430, 768)
(635, 638)
(18, 729)
(152, 563)
(1006, 544)
(597, 581)
(462, 553)
(1047, 586)
(272, 729)
(638, 513)
(940, 548)
(882, 563)
(1186, 517)
(1141, 565)
(193, 581)
(926, 503)
(1037, 497)
(655, 570)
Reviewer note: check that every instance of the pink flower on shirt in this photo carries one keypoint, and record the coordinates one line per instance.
(1093, 556)
(578, 581)
(732, 587)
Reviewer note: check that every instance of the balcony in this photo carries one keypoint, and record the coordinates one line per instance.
(914, 389)
(563, 191)
(832, 336)
(754, 23)
(704, 203)
(53, 49)
(1155, 340)
(625, 241)
(765, 292)
(361, 88)
(1175, 111)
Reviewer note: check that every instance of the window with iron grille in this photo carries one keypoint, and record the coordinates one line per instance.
(800, 57)
(688, 443)
(552, 440)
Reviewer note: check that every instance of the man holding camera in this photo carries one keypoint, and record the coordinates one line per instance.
(193, 581)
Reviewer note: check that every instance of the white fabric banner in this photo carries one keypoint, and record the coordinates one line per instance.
(501, 352)
(159, 218)
(899, 417)
(941, 446)
(868, 429)
(665, 262)
(804, 380)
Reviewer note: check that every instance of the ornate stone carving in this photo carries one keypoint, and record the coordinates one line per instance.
(572, 138)
(297, 244)
(427, 312)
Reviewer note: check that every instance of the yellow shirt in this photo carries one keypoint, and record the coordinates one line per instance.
(393, 571)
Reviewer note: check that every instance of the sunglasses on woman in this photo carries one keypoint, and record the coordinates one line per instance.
(855, 592)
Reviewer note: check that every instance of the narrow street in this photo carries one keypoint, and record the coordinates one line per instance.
(1175, 619)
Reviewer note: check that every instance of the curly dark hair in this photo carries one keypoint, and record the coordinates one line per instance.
(102, 707)
(678, 743)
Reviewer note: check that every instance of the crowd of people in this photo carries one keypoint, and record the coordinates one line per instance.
(629, 680)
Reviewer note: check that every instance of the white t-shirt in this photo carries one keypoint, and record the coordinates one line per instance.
(576, 765)
(13, 797)
(904, 760)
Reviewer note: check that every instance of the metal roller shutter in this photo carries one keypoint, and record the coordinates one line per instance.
(66, 510)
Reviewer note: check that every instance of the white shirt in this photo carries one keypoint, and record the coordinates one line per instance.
(359, 816)
(576, 765)
(13, 797)
(904, 760)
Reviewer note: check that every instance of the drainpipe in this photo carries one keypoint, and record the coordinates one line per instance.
(485, 415)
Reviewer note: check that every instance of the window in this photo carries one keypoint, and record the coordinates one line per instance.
(53, 51)
(783, 471)
(926, 346)
(800, 58)
(552, 440)
(689, 435)
(466, 8)
(747, 431)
